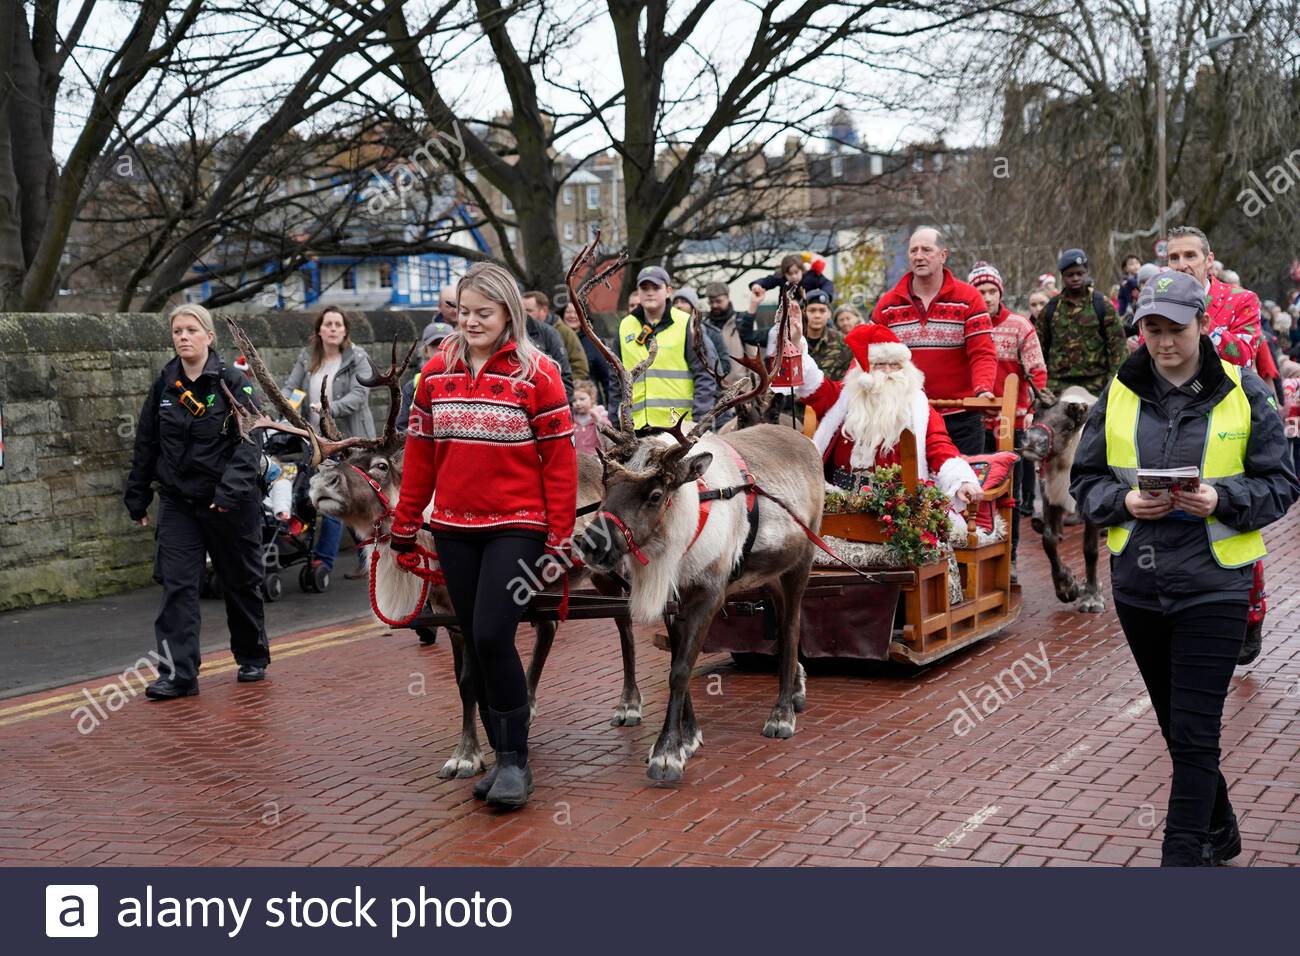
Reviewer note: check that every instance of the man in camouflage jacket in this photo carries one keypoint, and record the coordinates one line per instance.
(1080, 330)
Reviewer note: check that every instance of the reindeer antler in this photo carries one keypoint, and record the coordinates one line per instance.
(247, 422)
(578, 293)
(697, 343)
(327, 424)
(392, 378)
(264, 377)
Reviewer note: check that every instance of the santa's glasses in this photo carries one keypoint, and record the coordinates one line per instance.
(886, 366)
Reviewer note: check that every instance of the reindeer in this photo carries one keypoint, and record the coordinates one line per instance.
(358, 481)
(1051, 441)
(652, 523)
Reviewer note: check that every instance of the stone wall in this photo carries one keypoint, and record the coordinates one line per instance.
(72, 387)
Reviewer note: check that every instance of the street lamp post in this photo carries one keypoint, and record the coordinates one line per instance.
(1212, 44)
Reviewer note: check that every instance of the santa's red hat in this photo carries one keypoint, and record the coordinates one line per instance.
(873, 342)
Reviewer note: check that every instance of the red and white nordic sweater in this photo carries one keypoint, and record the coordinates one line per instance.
(950, 340)
(492, 453)
(1018, 351)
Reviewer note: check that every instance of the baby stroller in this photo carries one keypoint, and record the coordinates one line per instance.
(292, 542)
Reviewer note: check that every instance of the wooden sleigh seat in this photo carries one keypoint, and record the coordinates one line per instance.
(932, 625)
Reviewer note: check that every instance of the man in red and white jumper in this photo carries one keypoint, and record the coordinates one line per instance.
(946, 325)
(862, 418)
(1234, 328)
(1019, 352)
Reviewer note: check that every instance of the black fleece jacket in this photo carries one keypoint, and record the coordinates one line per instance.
(199, 459)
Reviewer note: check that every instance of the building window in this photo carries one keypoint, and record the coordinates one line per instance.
(568, 230)
(506, 205)
(568, 195)
(837, 166)
(350, 279)
(592, 229)
(918, 163)
(385, 275)
(877, 164)
(593, 197)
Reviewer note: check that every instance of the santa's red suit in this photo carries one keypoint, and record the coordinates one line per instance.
(859, 425)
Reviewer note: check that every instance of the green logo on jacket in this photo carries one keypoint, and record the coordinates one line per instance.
(1233, 436)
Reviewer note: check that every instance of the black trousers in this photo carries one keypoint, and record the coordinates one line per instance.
(1186, 660)
(487, 574)
(234, 540)
(966, 429)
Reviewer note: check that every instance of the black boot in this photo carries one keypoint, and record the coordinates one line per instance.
(1253, 645)
(481, 788)
(514, 779)
(169, 688)
(1225, 842)
(1185, 850)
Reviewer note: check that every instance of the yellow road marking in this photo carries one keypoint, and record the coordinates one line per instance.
(289, 649)
(221, 668)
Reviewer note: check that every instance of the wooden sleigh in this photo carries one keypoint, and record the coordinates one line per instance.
(847, 616)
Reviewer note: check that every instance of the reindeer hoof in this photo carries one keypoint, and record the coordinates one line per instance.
(461, 766)
(626, 715)
(666, 767)
(693, 744)
(1091, 604)
(779, 725)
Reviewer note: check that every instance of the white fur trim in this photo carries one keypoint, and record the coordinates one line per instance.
(888, 352)
(953, 473)
(830, 425)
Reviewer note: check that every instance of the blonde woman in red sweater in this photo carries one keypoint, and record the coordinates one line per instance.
(490, 442)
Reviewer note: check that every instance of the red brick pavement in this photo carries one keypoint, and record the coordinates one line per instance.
(333, 760)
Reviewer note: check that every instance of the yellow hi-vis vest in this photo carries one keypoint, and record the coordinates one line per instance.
(1226, 438)
(667, 388)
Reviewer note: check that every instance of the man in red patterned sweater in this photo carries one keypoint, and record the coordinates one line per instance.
(945, 324)
(1235, 331)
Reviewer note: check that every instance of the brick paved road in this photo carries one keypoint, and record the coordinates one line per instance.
(333, 760)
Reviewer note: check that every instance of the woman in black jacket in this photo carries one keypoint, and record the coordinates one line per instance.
(1182, 564)
(209, 499)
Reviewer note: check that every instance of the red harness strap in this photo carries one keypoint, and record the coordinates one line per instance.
(708, 496)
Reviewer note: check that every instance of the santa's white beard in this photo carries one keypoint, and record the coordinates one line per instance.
(880, 407)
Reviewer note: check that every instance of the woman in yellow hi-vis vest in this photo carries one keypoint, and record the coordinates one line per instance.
(1182, 563)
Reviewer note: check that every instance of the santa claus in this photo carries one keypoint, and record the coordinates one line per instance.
(861, 418)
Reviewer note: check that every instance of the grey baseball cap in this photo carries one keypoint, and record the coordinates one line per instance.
(1175, 296)
(716, 289)
(435, 332)
(655, 274)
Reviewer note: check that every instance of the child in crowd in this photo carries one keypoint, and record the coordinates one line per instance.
(587, 419)
(796, 270)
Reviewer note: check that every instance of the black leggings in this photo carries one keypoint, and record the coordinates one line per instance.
(487, 573)
(1186, 660)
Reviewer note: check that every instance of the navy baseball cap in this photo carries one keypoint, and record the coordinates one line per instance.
(1175, 296)
(1071, 257)
(817, 297)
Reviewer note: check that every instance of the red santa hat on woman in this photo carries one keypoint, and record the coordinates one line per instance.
(876, 343)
